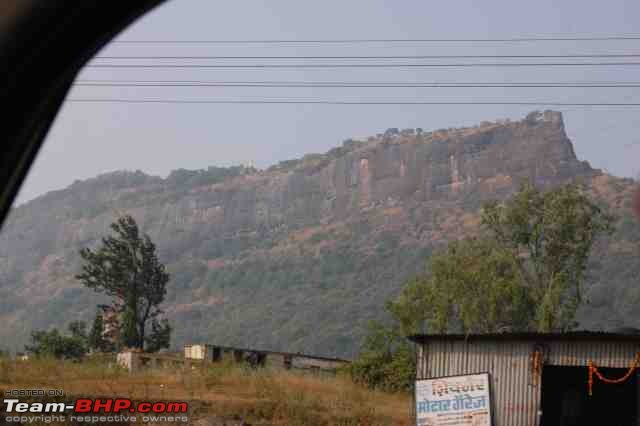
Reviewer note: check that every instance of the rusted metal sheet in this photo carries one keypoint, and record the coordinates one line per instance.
(516, 384)
(605, 354)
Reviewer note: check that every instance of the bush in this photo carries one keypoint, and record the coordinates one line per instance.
(386, 361)
(56, 345)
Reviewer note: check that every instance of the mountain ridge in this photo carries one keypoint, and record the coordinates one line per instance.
(263, 257)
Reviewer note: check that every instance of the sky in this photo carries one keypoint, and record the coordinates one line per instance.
(88, 139)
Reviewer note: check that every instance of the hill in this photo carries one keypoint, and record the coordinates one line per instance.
(300, 256)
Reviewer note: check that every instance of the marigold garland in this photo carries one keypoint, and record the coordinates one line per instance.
(593, 369)
(536, 366)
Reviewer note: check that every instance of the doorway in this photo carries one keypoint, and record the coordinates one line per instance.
(566, 401)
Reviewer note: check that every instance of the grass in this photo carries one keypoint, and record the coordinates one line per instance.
(222, 390)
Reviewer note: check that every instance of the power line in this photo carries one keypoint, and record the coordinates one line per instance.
(586, 55)
(311, 84)
(391, 40)
(411, 65)
(330, 102)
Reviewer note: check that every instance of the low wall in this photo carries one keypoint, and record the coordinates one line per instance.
(211, 353)
(134, 361)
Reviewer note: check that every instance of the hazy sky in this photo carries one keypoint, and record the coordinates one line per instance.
(88, 139)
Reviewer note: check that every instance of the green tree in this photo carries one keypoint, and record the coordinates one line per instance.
(160, 337)
(526, 274)
(54, 344)
(386, 360)
(549, 235)
(96, 340)
(78, 329)
(127, 268)
(472, 287)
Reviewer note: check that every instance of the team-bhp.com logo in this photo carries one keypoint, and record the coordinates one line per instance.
(94, 411)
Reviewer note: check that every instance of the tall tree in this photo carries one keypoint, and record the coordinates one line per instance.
(472, 287)
(526, 274)
(549, 235)
(160, 336)
(127, 268)
(96, 339)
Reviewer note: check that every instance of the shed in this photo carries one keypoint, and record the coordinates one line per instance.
(542, 378)
(21, 356)
(258, 357)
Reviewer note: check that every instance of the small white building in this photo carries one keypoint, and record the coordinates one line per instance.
(21, 356)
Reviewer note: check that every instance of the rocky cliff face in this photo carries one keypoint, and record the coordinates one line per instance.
(435, 167)
(296, 257)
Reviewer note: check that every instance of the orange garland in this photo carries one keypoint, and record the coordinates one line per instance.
(594, 370)
(536, 368)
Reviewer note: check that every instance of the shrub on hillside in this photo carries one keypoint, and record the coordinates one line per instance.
(386, 361)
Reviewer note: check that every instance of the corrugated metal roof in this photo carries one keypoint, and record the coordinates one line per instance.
(568, 336)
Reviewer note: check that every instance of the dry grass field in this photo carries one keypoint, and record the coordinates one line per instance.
(220, 393)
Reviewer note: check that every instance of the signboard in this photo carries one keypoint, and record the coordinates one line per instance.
(454, 401)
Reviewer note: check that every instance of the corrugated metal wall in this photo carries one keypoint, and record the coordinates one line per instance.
(514, 386)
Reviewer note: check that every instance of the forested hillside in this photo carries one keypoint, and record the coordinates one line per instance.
(300, 256)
